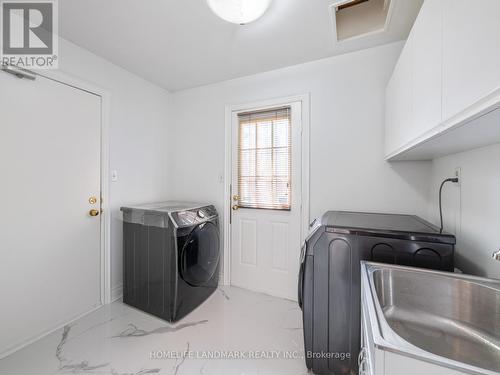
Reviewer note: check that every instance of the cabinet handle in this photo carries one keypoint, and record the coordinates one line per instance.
(361, 356)
(362, 367)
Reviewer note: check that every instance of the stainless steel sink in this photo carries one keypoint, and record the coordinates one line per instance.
(444, 317)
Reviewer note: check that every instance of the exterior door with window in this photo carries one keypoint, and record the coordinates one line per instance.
(266, 199)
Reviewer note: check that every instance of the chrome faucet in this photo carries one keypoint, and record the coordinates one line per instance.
(496, 255)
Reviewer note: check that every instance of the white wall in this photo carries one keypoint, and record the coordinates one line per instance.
(472, 209)
(172, 147)
(348, 171)
(139, 121)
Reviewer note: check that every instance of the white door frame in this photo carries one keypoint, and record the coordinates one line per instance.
(304, 99)
(105, 240)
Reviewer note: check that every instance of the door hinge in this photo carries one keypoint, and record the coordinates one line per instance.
(230, 209)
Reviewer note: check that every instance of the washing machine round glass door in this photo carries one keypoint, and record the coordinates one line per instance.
(200, 254)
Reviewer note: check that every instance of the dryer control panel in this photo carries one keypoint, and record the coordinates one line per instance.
(193, 217)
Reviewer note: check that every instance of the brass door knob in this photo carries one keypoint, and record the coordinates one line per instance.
(94, 212)
(235, 207)
(236, 197)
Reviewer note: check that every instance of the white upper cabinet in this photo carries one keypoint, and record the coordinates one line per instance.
(427, 63)
(471, 53)
(400, 96)
(414, 91)
(448, 76)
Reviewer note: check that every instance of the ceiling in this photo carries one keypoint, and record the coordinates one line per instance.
(179, 44)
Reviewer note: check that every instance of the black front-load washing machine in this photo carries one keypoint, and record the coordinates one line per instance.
(170, 257)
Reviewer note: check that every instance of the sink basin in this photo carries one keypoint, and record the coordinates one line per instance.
(447, 318)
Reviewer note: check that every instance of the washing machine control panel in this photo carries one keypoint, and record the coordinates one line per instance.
(193, 217)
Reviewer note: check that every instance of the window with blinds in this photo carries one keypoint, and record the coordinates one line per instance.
(264, 159)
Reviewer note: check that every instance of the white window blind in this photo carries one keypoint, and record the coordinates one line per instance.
(264, 159)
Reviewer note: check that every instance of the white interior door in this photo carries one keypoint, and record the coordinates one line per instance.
(49, 242)
(266, 194)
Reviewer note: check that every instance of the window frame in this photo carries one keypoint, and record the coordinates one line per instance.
(273, 114)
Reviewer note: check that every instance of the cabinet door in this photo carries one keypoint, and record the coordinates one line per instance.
(399, 106)
(390, 107)
(427, 63)
(396, 364)
(471, 52)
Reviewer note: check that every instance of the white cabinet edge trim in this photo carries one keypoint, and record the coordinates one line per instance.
(482, 107)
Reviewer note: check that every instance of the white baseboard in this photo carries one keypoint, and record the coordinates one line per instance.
(117, 292)
(46, 333)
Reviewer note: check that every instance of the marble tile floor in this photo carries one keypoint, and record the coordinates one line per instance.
(256, 333)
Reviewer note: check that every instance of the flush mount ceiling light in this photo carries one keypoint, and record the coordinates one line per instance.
(239, 11)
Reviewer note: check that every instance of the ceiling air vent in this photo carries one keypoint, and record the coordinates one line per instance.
(357, 18)
(350, 4)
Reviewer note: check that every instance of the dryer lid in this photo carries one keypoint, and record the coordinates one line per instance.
(181, 214)
(406, 227)
(164, 207)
